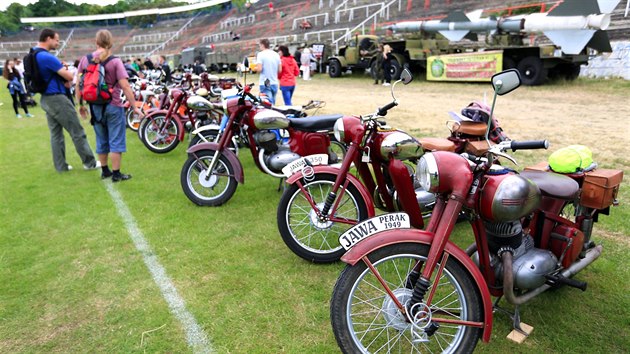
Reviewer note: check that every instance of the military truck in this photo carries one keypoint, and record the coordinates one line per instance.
(359, 53)
(572, 30)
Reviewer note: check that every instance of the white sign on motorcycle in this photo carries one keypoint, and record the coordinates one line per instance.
(299, 164)
(372, 226)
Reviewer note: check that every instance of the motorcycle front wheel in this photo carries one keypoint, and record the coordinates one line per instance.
(204, 187)
(158, 138)
(303, 232)
(365, 319)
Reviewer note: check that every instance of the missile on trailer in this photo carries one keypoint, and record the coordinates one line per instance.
(571, 25)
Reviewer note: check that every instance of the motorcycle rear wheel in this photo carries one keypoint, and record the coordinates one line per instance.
(218, 189)
(365, 319)
(307, 237)
(157, 139)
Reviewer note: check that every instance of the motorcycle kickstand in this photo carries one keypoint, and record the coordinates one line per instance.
(282, 186)
(520, 330)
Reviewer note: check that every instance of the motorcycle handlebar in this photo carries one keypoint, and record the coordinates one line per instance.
(529, 145)
(383, 110)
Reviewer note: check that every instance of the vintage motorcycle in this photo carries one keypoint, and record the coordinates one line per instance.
(410, 290)
(162, 130)
(210, 175)
(322, 202)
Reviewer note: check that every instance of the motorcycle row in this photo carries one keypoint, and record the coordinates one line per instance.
(386, 203)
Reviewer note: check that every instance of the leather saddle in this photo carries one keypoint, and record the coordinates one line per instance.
(553, 184)
(315, 123)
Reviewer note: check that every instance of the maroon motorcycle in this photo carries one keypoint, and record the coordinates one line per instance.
(411, 290)
(322, 202)
(212, 171)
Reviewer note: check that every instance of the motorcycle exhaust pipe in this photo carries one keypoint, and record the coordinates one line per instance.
(508, 275)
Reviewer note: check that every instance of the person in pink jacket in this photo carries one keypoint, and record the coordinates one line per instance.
(287, 76)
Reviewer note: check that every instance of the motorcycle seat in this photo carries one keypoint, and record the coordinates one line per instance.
(553, 184)
(437, 144)
(315, 123)
(288, 110)
(471, 128)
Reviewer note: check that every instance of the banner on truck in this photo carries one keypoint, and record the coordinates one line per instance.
(464, 66)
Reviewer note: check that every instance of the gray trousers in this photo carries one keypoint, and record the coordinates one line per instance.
(61, 114)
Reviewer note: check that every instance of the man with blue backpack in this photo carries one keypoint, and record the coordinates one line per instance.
(45, 74)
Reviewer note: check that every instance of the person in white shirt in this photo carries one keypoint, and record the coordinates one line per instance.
(305, 60)
(268, 64)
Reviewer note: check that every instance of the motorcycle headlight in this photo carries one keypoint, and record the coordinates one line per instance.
(427, 173)
(338, 129)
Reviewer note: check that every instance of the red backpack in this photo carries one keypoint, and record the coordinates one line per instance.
(92, 85)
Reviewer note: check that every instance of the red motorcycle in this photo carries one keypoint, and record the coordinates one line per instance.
(162, 130)
(322, 202)
(210, 175)
(410, 290)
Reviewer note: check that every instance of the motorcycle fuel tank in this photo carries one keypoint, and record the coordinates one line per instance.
(198, 103)
(270, 119)
(400, 145)
(507, 197)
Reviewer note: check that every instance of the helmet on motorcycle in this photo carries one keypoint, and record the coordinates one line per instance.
(480, 112)
(477, 111)
(571, 159)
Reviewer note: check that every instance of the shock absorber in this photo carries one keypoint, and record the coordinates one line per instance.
(419, 290)
(328, 204)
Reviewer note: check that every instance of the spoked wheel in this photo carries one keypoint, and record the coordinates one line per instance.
(205, 187)
(157, 137)
(337, 151)
(365, 319)
(308, 236)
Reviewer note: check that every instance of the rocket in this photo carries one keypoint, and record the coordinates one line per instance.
(572, 25)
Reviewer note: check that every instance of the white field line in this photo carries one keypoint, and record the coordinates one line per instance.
(195, 336)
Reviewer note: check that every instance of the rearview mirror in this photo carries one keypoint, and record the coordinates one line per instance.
(406, 76)
(506, 81)
(246, 62)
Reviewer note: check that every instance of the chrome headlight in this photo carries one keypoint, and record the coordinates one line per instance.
(338, 129)
(427, 173)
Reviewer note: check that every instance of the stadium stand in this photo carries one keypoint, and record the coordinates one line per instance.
(236, 33)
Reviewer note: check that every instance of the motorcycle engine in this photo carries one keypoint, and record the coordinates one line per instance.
(278, 159)
(267, 140)
(530, 264)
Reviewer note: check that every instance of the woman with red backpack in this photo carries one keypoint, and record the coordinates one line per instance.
(108, 115)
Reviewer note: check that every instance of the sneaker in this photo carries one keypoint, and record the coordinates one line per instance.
(69, 167)
(387, 84)
(120, 177)
(106, 175)
(28, 115)
(18, 116)
(97, 165)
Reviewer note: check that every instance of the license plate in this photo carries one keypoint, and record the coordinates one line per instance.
(373, 226)
(298, 165)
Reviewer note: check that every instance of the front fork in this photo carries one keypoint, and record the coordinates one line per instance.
(341, 179)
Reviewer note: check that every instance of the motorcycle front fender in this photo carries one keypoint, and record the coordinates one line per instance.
(229, 154)
(365, 194)
(204, 128)
(386, 238)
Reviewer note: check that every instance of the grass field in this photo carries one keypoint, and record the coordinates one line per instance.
(72, 280)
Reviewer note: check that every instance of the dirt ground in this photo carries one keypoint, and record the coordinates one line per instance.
(581, 112)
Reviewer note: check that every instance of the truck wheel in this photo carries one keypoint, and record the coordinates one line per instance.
(395, 69)
(532, 71)
(334, 68)
(508, 63)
